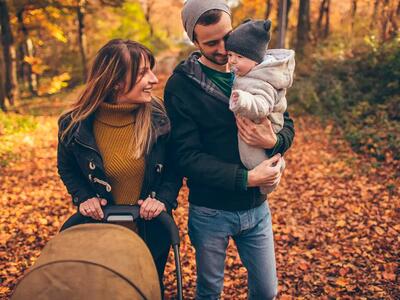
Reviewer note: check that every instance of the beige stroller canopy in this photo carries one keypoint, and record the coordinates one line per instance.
(92, 261)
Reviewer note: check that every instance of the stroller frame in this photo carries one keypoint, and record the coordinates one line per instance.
(126, 213)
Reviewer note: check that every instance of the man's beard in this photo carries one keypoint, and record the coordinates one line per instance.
(214, 60)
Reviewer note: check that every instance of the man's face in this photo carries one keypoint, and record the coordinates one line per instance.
(210, 39)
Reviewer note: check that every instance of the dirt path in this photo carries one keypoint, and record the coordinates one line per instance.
(336, 219)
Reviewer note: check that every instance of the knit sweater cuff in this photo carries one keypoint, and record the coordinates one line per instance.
(241, 179)
(271, 152)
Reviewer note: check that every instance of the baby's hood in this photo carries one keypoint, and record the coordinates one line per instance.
(277, 68)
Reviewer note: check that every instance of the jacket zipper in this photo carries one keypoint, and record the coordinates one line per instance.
(146, 177)
(87, 146)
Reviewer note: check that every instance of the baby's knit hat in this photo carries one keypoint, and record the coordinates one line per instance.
(250, 39)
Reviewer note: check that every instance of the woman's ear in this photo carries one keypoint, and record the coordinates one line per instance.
(119, 88)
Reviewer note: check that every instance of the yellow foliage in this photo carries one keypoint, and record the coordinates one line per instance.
(36, 64)
(56, 84)
(254, 9)
(55, 32)
(40, 16)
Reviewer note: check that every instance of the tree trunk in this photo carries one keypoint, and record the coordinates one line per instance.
(374, 14)
(268, 9)
(27, 50)
(323, 30)
(353, 13)
(391, 17)
(303, 25)
(327, 19)
(9, 54)
(147, 7)
(80, 12)
(321, 14)
(282, 14)
(398, 9)
(2, 93)
(288, 6)
(385, 20)
(147, 16)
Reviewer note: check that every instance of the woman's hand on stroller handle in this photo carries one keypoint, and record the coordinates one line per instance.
(150, 208)
(92, 208)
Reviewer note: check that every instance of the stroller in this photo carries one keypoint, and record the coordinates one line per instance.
(71, 266)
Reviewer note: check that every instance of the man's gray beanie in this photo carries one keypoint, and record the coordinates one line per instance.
(193, 9)
(250, 39)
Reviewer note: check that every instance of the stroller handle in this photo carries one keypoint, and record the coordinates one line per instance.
(115, 212)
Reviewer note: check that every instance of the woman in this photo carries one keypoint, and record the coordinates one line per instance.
(112, 144)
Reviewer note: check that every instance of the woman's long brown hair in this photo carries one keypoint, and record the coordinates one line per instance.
(110, 67)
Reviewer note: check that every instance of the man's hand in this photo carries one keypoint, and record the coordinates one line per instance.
(266, 173)
(92, 208)
(257, 135)
(150, 208)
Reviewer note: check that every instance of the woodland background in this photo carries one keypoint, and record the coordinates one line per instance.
(336, 213)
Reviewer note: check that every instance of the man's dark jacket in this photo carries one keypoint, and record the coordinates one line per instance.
(204, 140)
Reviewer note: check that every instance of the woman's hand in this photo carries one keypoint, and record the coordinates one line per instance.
(150, 208)
(258, 135)
(92, 208)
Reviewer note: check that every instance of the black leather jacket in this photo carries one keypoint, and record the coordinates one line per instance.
(81, 168)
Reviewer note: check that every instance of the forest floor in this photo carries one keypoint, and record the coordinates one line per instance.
(336, 217)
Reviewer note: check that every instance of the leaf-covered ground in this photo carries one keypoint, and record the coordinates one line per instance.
(336, 218)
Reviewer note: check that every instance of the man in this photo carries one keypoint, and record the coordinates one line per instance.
(225, 201)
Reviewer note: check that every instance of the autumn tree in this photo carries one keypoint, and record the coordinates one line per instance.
(390, 12)
(283, 16)
(2, 93)
(268, 9)
(27, 51)
(324, 18)
(80, 15)
(303, 25)
(81, 10)
(255, 9)
(9, 54)
(148, 8)
(353, 13)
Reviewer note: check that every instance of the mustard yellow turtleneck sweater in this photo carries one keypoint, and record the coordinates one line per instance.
(113, 130)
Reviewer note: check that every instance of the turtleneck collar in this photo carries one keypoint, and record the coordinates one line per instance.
(116, 115)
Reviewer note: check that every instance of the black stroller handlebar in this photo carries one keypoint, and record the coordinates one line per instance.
(112, 211)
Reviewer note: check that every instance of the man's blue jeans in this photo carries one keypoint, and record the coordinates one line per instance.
(209, 232)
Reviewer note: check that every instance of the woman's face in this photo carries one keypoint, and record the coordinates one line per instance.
(141, 91)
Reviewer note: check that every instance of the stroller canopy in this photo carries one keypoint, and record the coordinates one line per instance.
(92, 261)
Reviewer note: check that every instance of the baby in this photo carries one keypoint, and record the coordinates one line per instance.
(259, 88)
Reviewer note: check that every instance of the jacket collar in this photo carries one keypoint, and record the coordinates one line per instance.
(191, 68)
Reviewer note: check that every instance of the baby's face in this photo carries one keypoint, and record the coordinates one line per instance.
(239, 64)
